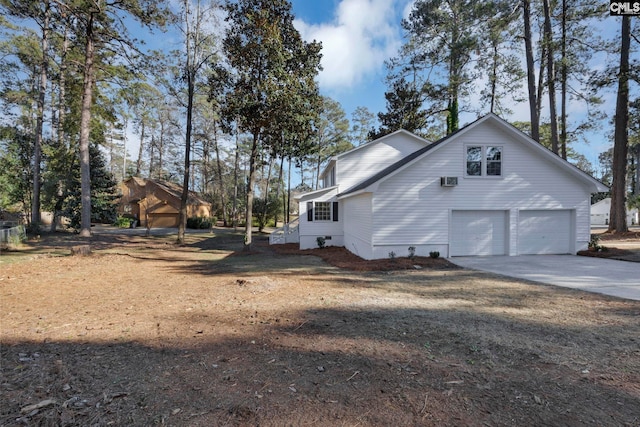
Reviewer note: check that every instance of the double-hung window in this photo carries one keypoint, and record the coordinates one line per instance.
(483, 160)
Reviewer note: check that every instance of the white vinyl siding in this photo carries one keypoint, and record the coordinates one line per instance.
(478, 233)
(309, 231)
(329, 178)
(358, 225)
(411, 208)
(367, 160)
(545, 232)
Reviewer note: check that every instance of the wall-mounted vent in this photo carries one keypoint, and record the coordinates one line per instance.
(449, 181)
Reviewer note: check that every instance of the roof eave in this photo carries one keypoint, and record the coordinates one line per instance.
(311, 194)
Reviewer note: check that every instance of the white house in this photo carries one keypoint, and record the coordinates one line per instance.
(600, 213)
(487, 189)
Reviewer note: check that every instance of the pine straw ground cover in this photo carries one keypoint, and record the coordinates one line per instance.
(620, 246)
(142, 332)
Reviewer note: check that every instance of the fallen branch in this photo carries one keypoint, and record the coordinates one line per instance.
(39, 405)
(425, 403)
(300, 325)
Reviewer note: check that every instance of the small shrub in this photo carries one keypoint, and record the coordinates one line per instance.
(412, 252)
(122, 222)
(434, 254)
(594, 244)
(200, 222)
(392, 255)
(321, 242)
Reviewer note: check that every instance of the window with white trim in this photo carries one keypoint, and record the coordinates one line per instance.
(484, 160)
(322, 211)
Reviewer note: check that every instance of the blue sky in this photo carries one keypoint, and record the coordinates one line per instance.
(359, 35)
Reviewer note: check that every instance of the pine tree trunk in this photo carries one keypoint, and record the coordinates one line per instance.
(540, 88)
(160, 150)
(225, 213)
(551, 79)
(636, 188)
(454, 84)
(617, 214)
(61, 119)
(531, 75)
(265, 208)
(563, 89)
(250, 185)
(280, 184)
(236, 166)
(37, 148)
(317, 170)
(140, 149)
(289, 193)
(85, 129)
(182, 218)
(494, 77)
(152, 147)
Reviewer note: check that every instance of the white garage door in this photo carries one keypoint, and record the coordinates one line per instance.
(478, 233)
(544, 232)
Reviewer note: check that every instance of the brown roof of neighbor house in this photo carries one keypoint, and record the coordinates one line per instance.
(171, 188)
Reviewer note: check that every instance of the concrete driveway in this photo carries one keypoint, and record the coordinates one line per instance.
(605, 276)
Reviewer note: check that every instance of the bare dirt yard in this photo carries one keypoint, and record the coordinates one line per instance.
(143, 332)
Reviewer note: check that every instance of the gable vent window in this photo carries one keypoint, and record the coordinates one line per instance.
(322, 211)
(484, 161)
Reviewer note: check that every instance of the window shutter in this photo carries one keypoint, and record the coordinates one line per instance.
(310, 211)
(335, 211)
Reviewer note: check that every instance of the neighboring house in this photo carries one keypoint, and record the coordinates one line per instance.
(158, 202)
(487, 189)
(600, 213)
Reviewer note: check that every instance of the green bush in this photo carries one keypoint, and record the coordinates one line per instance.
(412, 252)
(200, 222)
(321, 242)
(434, 254)
(122, 222)
(594, 244)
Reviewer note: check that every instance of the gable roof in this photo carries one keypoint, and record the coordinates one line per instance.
(172, 189)
(333, 159)
(401, 164)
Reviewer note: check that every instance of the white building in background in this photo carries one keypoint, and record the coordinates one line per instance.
(600, 213)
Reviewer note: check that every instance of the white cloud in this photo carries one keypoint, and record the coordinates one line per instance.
(362, 35)
(407, 9)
